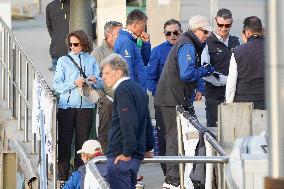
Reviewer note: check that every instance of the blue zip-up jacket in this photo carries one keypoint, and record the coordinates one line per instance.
(65, 75)
(126, 46)
(157, 61)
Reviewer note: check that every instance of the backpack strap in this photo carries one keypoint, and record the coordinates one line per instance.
(78, 67)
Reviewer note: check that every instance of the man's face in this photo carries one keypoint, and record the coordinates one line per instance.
(202, 34)
(110, 76)
(172, 33)
(223, 26)
(113, 35)
(139, 28)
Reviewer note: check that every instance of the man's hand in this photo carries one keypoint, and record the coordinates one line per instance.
(149, 154)
(198, 96)
(145, 37)
(122, 158)
(79, 82)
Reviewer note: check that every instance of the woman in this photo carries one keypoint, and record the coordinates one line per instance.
(75, 113)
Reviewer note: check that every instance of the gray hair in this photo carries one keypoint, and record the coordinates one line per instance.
(136, 16)
(224, 13)
(117, 62)
(109, 27)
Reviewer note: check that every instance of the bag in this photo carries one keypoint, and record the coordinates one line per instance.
(86, 91)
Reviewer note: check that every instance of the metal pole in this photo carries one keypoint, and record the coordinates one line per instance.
(26, 139)
(14, 63)
(8, 70)
(180, 150)
(274, 82)
(19, 88)
(213, 10)
(2, 67)
(54, 144)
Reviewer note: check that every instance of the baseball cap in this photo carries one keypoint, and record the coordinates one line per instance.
(90, 147)
(199, 21)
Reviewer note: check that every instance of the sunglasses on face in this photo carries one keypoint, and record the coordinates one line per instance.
(224, 25)
(169, 33)
(206, 32)
(74, 44)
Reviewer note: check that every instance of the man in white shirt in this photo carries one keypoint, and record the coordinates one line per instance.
(246, 72)
(217, 52)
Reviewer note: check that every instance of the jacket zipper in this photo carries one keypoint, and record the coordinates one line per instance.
(69, 96)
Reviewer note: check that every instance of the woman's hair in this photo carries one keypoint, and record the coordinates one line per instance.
(85, 42)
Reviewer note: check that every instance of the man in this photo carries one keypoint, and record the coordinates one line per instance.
(89, 150)
(246, 73)
(127, 45)
(177, 83)
(217, 52)
(111, 29)
(130, 135)
(57, 23)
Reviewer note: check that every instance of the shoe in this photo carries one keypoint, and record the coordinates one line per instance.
(140, 178)
(171, 183)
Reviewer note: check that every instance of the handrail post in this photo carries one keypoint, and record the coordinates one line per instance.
(180, 150)
(2, 67)
(19, 88)
(14, 98)
(8, 70)
(27, 97)
(54, 142)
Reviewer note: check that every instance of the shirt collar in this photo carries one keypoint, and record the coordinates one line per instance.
(130, 32)
(226, 41)
(118, 82)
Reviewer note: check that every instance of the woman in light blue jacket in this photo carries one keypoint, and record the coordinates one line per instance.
(75, 113)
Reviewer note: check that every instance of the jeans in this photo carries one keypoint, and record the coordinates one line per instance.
(122, 175)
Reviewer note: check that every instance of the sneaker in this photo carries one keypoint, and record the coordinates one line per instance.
(171, 183)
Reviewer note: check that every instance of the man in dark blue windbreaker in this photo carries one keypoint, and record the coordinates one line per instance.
(129, 45)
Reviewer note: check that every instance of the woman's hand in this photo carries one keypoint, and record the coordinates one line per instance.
(79, 82)
(92, 80)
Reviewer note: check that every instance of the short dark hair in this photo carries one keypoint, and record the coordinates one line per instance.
(109, 27)
(172, 21)
(224, 13)
(82, 37)
(253, 23)
(135, 16)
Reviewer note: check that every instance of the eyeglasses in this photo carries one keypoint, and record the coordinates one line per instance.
(206, 32)
(74, 44)
(224, 25)
(169, 33)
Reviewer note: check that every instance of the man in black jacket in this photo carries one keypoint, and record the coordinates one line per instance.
(57, 23)
(217, 52)
(130, 134)
(246, 73)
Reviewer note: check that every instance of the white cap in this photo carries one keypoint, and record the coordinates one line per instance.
(199, 21)
(90, 147)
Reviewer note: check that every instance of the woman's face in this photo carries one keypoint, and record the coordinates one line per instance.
(75, 45)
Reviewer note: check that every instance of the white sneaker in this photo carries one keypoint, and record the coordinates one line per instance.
(169, 186)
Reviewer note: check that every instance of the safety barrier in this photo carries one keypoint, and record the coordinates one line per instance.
(18, 76)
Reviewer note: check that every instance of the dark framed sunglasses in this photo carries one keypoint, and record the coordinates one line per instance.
(224, 25)
(169, 33)
(74, 44)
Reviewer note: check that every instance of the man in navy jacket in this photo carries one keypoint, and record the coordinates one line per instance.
(130, 134)
(128, 46)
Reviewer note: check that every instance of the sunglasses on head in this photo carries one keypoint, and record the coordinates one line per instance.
(224, 25)
(169, 33)
(74, 44)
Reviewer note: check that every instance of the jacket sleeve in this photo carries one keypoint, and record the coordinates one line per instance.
(49, 21)
(187, 64)
(232, 80)
(73, 181)
(128, 120)
(153, 72)
(146, 52)
(61, 82)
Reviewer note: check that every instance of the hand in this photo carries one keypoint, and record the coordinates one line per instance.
(198, 96)
(79, 82)
(145, 37)
(92, 79)
(210, 69)
(121, 157)
(149, 154)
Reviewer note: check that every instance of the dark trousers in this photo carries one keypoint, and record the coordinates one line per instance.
(169, 137)
(69, 121)
(122, 175)
(212, 109)
(105, 117)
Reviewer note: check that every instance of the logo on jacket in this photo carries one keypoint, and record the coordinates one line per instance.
(188, 57)
(219, 50)
(126, 54)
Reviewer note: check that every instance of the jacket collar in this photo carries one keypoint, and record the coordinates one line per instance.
(105, 45)
(117, 83)
(197, 44)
